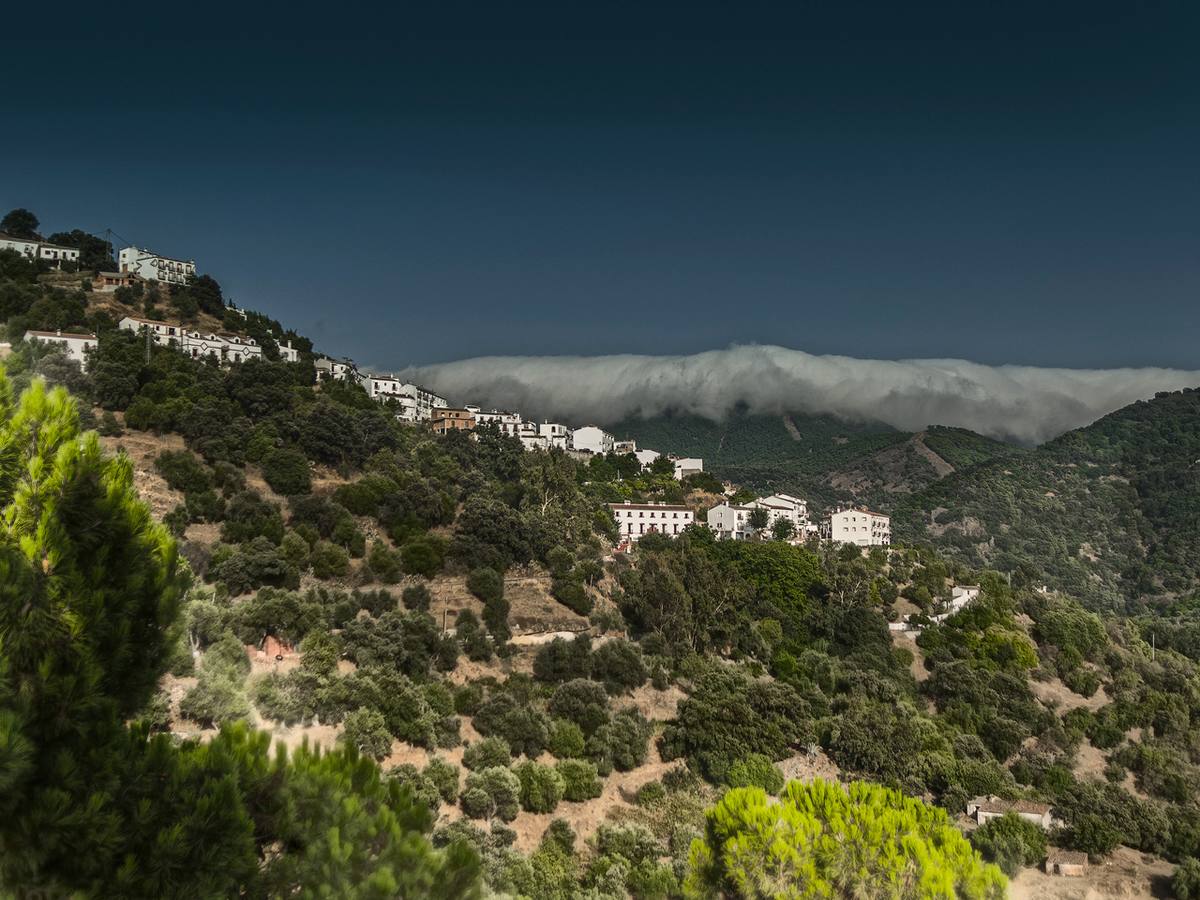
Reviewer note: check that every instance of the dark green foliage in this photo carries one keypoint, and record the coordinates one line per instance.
(486, 753)
(492, 793)
(1010, 842)
(287, 472)
(566, 739)
(572, 594)
(541, 787)
(183, 472)
(525, 727)
(755, 770)
(580, 780)
(729, 716)
(384, 564)
(1185, 883)
(583, 702)
(248, 516)
(618, 665)
(405, 642)
(622, 743)
(366, 731)
(416, 597)
(252, 565)
(444, 777)
(562, 660)
(423, 555)
(329, 560)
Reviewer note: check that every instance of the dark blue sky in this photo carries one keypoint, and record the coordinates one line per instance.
(1010, 185)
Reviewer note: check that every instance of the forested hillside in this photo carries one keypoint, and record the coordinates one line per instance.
(824, 459)
(1110, 512)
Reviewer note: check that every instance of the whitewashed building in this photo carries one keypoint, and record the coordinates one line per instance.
(32, 248)
(287, 352)
(624, 447)
(414, 403)
(506, 422)
(76, 345)
(687, 465)
(985, 809)
(646, 457)
(556, 435)
(857, 525)
(784, 506)
(154, 267)
(330, 369)
(636, 520)
(593, 439)
(226, 348)
(730, 522)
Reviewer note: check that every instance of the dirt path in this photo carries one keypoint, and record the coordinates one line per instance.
(940, 466)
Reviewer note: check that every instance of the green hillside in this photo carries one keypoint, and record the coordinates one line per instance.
(1110, 511)
(820, 457)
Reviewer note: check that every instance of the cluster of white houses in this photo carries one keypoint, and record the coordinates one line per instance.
(224, 347)
(35, 248)
(131, 261)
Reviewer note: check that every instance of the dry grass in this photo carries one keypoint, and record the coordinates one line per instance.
(1126, 874)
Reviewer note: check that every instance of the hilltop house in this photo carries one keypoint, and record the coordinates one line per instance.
(857, 525)
(107, 282)
(556, 435)
(330, 369)
(593, 439)
(33, 248)
(729, 522)
(784, 506)
(415, 404)
(154, 267)
(508, 423)
(636, 520)
(226, 348)
(687, 465)
(646, 457)
(984, 809)
(626, 446)
(449, 419)
(76, 345)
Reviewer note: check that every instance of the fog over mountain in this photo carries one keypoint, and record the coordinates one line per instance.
(1027, 404)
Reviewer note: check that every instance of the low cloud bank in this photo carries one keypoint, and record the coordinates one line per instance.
(1019, 403)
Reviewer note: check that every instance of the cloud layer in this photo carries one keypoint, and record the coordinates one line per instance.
(1020, 403)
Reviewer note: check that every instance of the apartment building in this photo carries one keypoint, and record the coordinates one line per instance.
(636, 520)
(155, 267)
(857, 525)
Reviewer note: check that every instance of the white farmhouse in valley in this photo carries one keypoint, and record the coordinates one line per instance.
(730, 522)
(32, 248)
(857, 525)
(593, 439)
(155, 267)
(77, 346)
(636, 520)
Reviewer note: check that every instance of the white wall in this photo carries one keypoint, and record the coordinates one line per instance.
(153, 267)
(593, 438)
(635, 520)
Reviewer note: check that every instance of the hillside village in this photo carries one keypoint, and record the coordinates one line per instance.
(567, 647)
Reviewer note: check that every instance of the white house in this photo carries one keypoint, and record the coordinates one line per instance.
(984, 809)
(556, 435)
(857, 525)
(636, 520)
(32, 248)
(507, 422)
(153, 267)
(531, 436)
(593, 439)
(226, 348)
(427, 401)
(380, 387)
(624, 447)
(288, 353)
(330, 369)
(646, 457)
(686, 465)
(76, 345)
(784, 506)
(729, 522)
(415, 404)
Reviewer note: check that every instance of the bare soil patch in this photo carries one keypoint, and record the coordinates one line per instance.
(1055, 694)
(1126, 874)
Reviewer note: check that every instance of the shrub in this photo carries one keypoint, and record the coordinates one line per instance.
(329, 560)
(624, 741)
(366, 730)
(286, 471)
(581, 701)
(651, 793)
(541, 787)
(562, 660)
(468, 698)
(572, 595)
(618, 665)
(1185, 883)
(580, 780)
(1010, 842)
(183, 471)
(423, 555)
(486, 584)
(416, 597)
(294, 549)
(385, 564)
(566, 739)
(421, 785)
(487, 753)
(493, 792)
(248, 516)
(444, 776)
(755, 770)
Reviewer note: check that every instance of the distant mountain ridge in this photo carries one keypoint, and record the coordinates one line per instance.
(823, 458)
(1109, 512)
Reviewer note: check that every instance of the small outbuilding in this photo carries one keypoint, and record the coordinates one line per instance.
(1070, 863)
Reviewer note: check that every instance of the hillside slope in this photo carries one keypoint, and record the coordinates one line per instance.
(1110, 512)
(820, 457)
